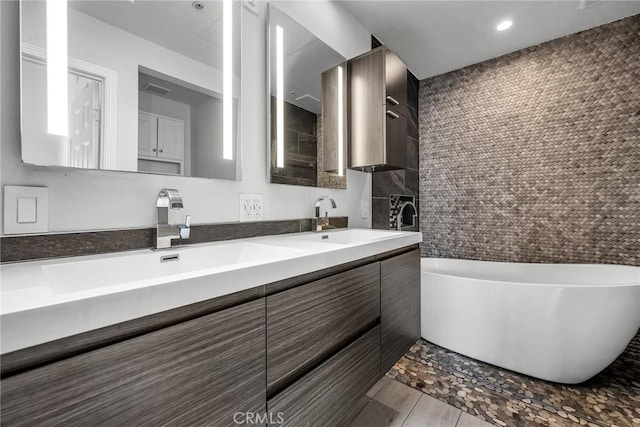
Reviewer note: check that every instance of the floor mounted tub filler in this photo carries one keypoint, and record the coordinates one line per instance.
(558, 322)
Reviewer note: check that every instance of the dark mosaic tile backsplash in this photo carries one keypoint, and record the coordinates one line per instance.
(535, 156)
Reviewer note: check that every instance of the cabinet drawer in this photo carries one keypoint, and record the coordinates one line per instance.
(330, 395)
(198, 372)
(400, 306)
(306, 323)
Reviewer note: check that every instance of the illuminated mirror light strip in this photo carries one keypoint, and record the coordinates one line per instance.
(279, 97)
(227, 79)
(340, 123)
(57, 80)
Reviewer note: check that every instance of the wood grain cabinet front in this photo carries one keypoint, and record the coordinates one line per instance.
(400, 306)
(377, 111)
(307, 323)
(331, 394)
(200, 372)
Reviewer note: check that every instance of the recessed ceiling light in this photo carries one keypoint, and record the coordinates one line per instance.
(504, 25)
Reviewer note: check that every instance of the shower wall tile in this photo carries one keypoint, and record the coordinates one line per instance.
(380, 209)
(412, 153)
(300, 143)
(412, 182)
(412, 88)
(398, 182)
(385, 183)
(535, 156)
(412, 123)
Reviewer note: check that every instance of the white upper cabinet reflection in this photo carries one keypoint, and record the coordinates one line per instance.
(144, 86)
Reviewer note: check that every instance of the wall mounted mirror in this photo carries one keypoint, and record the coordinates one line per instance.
(138, 86)
(306, 107)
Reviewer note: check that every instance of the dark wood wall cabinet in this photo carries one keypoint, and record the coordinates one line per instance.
(305, 354)
(377, 111)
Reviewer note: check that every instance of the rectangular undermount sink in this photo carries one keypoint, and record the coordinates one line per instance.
(93, 272)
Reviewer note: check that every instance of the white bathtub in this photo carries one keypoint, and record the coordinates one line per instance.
(558, 322)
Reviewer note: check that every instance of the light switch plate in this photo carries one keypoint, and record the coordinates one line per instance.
(26, 209)
(251, 207)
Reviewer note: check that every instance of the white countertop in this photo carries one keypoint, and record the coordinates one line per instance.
(46, 300)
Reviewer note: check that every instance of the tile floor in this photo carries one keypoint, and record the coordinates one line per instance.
(501, 397)
(395, 404)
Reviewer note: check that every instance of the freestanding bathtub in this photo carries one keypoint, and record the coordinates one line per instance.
(558, 322)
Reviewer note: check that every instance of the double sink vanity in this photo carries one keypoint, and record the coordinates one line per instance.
(288, 329)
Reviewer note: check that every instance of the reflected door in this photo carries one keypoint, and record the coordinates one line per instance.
(85, 127)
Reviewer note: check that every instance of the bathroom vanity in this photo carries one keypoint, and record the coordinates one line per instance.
(330, 317)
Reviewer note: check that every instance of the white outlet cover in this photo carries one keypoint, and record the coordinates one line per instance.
(251, 207)
(34, 204)
(364, 207)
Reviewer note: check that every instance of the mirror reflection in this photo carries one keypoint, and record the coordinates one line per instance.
(144, 86)
(307, 128)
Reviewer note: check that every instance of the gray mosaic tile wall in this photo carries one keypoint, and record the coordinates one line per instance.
(535, 156)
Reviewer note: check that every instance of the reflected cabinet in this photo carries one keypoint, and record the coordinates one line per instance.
(306, 107)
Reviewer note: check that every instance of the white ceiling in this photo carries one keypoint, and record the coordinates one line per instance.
(173, 24)
(434, 37)
(179, 92)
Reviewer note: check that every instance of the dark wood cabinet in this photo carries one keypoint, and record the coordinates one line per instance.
(377, 111)
(395, 83)
(306, 323)
(330, 395)
(399, 306)
(309, 350)
(199, 372)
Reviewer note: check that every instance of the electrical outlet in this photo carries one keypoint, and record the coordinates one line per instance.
(364, 207)
(251, 207)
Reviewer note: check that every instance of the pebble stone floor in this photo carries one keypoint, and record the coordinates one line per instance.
(506, 398)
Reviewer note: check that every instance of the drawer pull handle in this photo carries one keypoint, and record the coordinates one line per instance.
(392, 114)
(392, 100)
